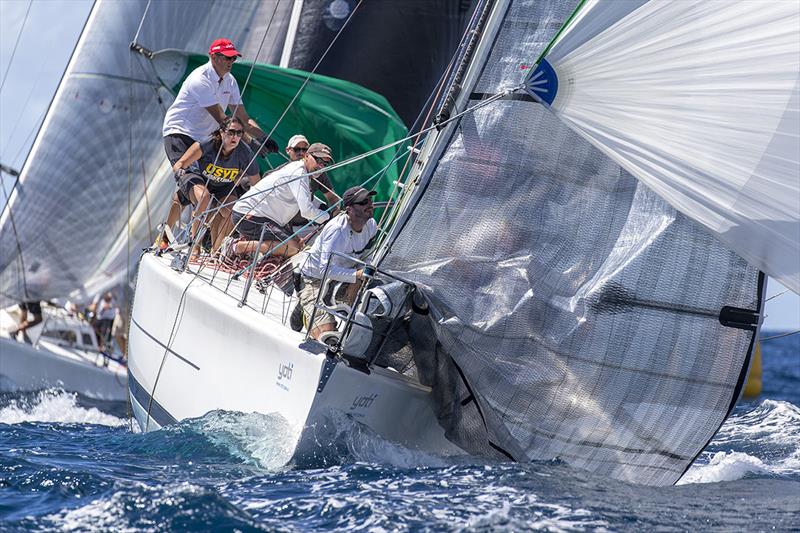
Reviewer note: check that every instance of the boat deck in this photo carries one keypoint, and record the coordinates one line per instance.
(271, 301)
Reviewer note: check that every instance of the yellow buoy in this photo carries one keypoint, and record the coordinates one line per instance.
(752, 386)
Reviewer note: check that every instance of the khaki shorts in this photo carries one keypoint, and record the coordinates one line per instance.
(308, 297)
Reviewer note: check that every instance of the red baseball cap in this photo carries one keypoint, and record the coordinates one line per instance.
(224, 47)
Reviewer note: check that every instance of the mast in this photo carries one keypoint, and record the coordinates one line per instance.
(468, 68)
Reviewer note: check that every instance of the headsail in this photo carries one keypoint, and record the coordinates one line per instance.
(701, 101)
(577, 315)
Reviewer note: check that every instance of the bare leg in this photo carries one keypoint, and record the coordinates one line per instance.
(174, 210)
(200, 199)
(221, 225)
(317, 332)
(287, 249)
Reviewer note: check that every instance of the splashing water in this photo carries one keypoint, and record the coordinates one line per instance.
(54, 406)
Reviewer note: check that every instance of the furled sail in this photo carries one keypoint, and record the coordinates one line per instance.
(574, 313)
(701, 101)
(98, 160)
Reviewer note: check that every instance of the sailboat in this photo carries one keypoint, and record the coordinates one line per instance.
(573, 271)
(86, 204)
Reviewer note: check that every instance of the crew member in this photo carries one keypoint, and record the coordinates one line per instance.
(350, 233)
(296, 149)
(27, 309)
(199, 110)
(223, 162)
(275, 200)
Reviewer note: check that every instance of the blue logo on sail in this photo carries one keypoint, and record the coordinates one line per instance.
(542, 83)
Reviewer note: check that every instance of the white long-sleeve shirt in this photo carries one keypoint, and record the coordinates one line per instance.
(338, 236)
(279, 195)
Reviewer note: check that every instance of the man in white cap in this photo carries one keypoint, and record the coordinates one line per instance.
(274, 201)
(350, 233)
(199, 110)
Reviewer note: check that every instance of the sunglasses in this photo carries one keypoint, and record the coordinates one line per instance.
(299, 150)
(363, 202)
(321, 162)
(235, 133)
(226, 58)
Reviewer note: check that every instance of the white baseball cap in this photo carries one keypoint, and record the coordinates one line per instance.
(297, 139)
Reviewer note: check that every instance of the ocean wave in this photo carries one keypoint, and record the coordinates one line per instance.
(181, 507)
(761, 441)
(54, 405)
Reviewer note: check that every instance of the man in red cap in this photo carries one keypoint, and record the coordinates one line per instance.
(199, 110)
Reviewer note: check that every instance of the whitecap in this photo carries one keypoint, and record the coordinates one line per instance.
(724, 466)
(55, 406)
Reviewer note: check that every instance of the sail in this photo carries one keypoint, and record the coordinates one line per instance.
(574, 313)
(98, 160)
(701, 101)
(345, 116)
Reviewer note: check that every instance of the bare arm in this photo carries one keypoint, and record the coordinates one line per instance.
(190, 156)
(331, 197)
(217, 112)
(250, 125)
(26, 324)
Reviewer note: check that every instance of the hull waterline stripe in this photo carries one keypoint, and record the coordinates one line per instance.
(134, 322)
(157, 412)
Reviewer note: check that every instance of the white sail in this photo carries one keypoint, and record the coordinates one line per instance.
(95, 183)
(701, 101)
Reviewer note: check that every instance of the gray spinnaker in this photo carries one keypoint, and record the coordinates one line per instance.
(98, 159)
(576, 314)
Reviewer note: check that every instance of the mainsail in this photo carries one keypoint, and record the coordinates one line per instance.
(574, 313)
(98, 160)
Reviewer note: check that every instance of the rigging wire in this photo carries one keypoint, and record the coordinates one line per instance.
(311, 73)
(779, 336)
(14, 51)
(776, 295)
(16, 237)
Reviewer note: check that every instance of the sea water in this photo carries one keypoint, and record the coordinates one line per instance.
(68, 464)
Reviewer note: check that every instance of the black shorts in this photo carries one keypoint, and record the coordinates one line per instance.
(175, 145)
(250, 226)
(223, 192)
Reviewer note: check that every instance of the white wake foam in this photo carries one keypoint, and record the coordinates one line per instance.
(336, 430)
(55, 406)
(724, 466)
(770, 432)
(267, 441)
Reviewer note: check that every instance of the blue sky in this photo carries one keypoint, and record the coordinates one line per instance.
(45, 45)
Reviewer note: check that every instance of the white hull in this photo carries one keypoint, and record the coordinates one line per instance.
(25, 368)
(217, 355)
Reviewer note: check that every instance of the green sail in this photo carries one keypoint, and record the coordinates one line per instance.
(348, 117)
